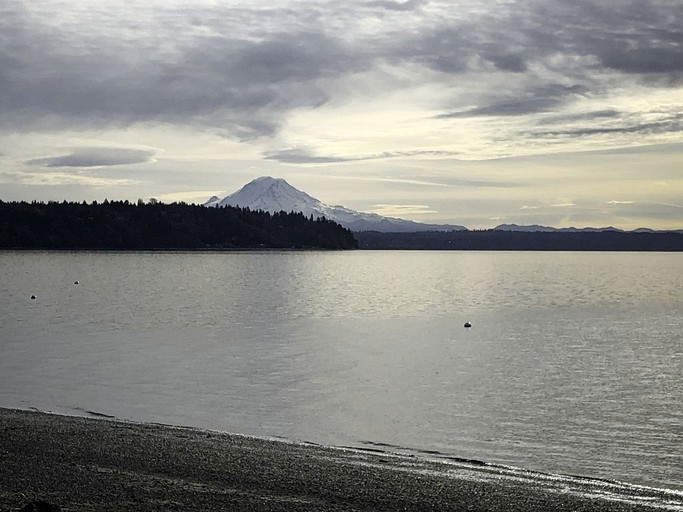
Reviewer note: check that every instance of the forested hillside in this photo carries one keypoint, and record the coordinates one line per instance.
(124, 225)
(492, 240)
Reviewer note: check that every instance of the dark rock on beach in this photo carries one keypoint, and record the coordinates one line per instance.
(40, 506)
(85, 464)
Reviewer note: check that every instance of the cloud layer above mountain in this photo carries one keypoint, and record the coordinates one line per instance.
(96, 157)
(339, 89)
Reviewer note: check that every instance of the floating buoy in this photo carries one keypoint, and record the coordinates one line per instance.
(75, 282)
(468, 325)
(33, 297)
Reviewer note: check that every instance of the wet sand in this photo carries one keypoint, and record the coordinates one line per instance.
(85, 464)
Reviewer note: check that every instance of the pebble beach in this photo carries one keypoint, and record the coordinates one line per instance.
(88, 464)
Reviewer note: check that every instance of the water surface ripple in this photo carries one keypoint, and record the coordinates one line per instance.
(573, 363)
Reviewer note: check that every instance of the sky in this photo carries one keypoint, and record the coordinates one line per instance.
(471, 112)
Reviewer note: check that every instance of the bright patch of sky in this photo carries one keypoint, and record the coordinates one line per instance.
(471, 112)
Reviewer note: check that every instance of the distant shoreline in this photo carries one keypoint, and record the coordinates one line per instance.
(126, 226)
(120, 225)
(99, 464)
(503, 241)
(493, 240)
(171, 250)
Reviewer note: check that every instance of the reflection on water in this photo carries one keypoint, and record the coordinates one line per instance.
(572, 365)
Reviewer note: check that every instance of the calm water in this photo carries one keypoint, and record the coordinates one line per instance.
(573, 363)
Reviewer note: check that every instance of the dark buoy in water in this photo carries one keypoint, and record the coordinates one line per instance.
(33, 297)
(467, 325)
(75, 282)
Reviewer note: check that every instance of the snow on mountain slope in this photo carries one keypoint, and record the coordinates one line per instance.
(213, 201)
(275, 194)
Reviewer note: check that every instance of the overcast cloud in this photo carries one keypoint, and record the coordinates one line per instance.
(96, 157)
(323, 92)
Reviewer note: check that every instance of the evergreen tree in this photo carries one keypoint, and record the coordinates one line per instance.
(155, 225)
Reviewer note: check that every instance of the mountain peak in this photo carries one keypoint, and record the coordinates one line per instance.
(268, 179)
(213, 201)
(275, 194)
(265, 182)
(271, 195)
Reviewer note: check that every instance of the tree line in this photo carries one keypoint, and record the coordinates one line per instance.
(155, 225)
(493, 240)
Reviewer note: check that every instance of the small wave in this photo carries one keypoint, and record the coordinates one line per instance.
(94, 413)
(364, 449)
(405, 450)
(613, 490)
(61, 410)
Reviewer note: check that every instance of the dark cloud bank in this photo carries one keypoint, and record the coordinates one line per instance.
(201, 66)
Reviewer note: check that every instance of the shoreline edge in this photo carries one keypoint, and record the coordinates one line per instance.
(82, 463)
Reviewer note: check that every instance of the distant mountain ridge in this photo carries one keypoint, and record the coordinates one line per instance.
(535, 228)
(275, 194)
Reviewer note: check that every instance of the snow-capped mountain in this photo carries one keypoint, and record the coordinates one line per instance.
(275, 194)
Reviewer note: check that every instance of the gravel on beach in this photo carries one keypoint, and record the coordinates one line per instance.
(86, 464)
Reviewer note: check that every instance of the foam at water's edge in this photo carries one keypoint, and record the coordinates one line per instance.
(472, 469)
(435, 455)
